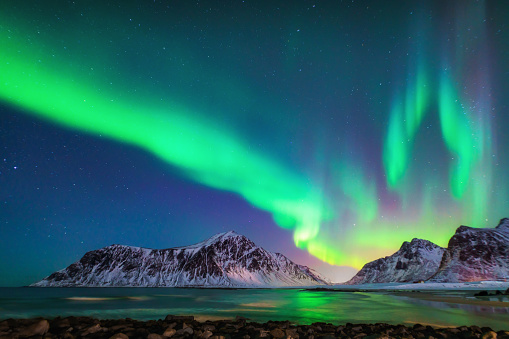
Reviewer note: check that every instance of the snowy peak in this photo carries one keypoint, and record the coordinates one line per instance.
(503, 224)
(463, 229)
(225, 259)
(476, 254)
(230, 237)
(125, 247)
(225, 236)
(229, 234)
(473, 254)
(414, 261)
(417, 245)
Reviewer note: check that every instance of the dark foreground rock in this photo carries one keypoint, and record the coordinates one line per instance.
(187, 327)
(488, 294)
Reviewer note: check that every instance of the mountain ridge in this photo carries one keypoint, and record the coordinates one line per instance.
(415, 261)
(226, 259)
(472, 254)
(476, 254)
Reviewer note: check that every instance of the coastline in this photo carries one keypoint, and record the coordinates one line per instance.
(188, 327)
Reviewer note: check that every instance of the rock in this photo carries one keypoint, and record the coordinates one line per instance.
(357, 328)
(489, 335)
(39, 328)
(208, 327)
(277, 333)
(475, 329)
(206, 335)
(125, 330)
(453, 330)
(401, 330)
(119, 336)
(117, 327)
(170, 317)
(419, 327)
(170, 331)
(187, 330)
(141, 332)
(481, 294)
(84, 327)
(378, 336)
(60, 323)
(291, 334)
(155, 336)
(172, 325)
(92, 329)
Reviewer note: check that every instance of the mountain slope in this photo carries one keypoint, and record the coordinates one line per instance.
(226, 260)
(414, 261)
(476, 254)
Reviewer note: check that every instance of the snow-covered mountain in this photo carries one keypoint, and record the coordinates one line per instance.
(224, 260)
(476, 254)
(414, 261)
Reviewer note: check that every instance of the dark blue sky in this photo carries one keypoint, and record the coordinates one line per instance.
(328, 131)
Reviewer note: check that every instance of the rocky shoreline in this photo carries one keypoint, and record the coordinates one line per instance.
(187, 327)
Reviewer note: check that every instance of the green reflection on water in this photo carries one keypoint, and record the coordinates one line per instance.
(297, 306)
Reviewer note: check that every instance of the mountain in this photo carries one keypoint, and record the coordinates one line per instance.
(475, 254)
(414, 261)
(224, 260)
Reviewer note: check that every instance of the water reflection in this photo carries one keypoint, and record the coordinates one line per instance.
(469, 307)
(298, 306)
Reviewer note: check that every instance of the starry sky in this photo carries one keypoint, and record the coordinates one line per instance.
(329, 131)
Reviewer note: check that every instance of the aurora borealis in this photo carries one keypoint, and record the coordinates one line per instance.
(328, 131)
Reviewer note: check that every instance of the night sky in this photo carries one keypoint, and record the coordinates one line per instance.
(328, 131)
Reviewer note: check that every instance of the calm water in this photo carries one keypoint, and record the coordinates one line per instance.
(260, 305)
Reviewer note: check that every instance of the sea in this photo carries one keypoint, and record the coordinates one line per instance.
(299, 306)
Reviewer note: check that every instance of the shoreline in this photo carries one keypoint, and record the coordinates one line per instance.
(489, 285)
(188, 327)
